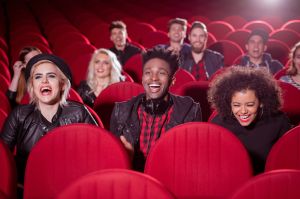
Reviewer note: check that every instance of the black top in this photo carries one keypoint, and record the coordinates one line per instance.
(259, 136)
(25, 126)
(86, 93)
(128, 52)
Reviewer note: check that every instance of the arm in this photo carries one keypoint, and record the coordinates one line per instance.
(87, 117)
(17, 67)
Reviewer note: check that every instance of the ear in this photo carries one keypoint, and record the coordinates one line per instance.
(168, 35)
(247, 47)
(111, 38)
(265, 47)
(173, 80)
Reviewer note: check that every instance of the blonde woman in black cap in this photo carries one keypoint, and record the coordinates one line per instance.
(48, 81)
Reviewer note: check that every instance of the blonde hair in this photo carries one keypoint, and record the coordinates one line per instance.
(63, 80)
(292, 70)
(115, 73)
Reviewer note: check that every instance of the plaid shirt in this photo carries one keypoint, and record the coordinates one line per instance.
(152, 126)
(198, 71)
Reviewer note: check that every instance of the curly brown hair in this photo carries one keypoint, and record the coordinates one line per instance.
(239, 78)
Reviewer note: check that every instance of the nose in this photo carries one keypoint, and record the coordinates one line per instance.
(154, 76)
(244, 110)
(45, 79)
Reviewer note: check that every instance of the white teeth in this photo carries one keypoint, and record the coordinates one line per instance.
(154, 85)
(244, 116)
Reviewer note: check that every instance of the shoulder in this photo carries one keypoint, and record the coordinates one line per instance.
(184, 102)
(129, 103)
(74, 107)
(133, 47)
(285, 78)
(213, 54)
(83, 85)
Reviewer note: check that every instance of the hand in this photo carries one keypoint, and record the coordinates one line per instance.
(127, 146)
(18, 66)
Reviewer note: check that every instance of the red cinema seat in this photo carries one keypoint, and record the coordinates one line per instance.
(4, 103)
(117, 184)
(275, 184)
(229, 49)
(161, 23)
(280, 73)
(199, 160)
(4, 83)
(152, 39)
(116, 92)
(292, 25)
(67, 153)
(136, 30)
(134, 67)
(278, 50)
(291, 99)
(289, 37)
(235, 20)
(181, 77)
(219, 29)
(8, 179)
(258, 24)
(198, 91)
(285, 154)
(239, 36)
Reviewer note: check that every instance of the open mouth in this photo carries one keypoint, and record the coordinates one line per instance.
(154, 87)
(46, 90)
(244, 118)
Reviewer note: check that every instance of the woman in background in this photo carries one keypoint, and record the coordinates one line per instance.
(293, 72)
(17, 87)
(104, 69)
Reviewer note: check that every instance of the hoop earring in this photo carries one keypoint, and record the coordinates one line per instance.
(261, 112)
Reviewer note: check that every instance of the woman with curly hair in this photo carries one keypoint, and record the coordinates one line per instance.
(104, 69)
(293, 72)
(248, 101)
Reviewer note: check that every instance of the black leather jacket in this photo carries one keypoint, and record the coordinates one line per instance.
(86, 94)
(124, 120)
(25, 126)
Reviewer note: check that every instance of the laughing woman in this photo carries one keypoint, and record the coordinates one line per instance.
(48, 83)
(247, 101)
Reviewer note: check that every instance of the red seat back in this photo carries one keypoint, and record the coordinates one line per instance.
(8, 179)
(117, 92)
(117, 184)
(285, 154)
(199, 160)
(276, 185)
(67, 153)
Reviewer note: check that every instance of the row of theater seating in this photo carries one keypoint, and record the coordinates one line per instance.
(193, 160)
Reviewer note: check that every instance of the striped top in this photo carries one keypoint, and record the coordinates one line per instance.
(288, 79)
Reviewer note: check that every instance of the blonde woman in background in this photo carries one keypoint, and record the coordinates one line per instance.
(104, 69)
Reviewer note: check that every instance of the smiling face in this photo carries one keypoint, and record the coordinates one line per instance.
(198, 39)
(176, 33)
(47, 84)
(118, 37)
(156, 78)
(256, 47)
(102, 66)
(244, 106)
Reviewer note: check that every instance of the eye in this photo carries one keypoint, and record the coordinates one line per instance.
(37, 76)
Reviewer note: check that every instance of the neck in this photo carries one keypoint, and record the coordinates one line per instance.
(176, 44)
(197, 56)
(48, 111)
(120, 47)
(103, 81)
(256, 60)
